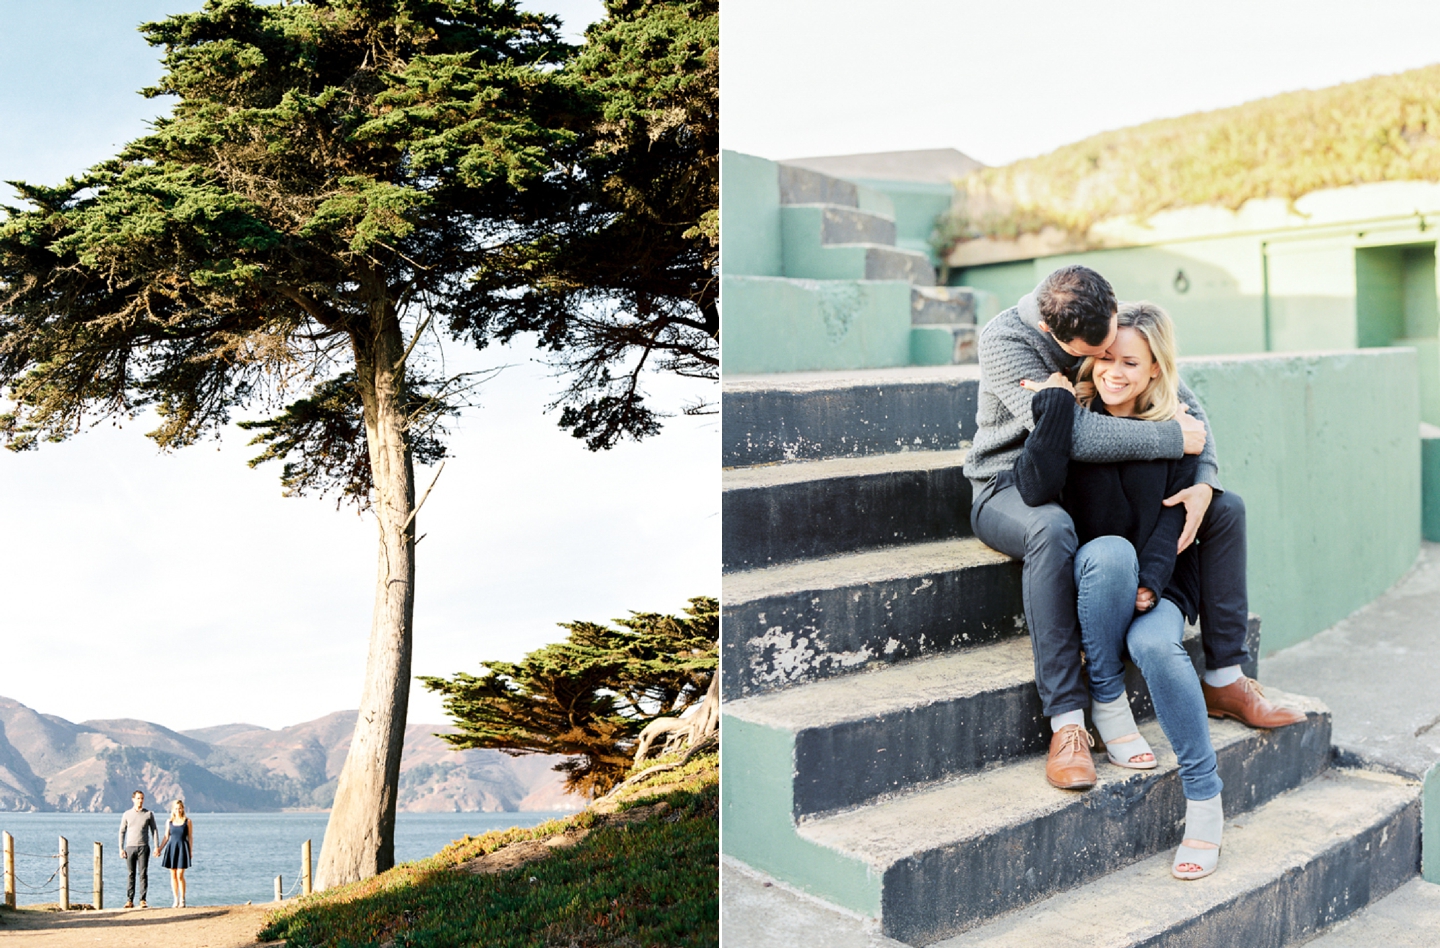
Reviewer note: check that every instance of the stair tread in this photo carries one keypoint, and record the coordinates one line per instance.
(799, 472)
(1136, 903)
(977, 805)
(849, 209)
(868, 566)
(808, 382)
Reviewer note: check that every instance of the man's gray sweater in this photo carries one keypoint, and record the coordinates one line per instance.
(1012, 347)
(137, 828)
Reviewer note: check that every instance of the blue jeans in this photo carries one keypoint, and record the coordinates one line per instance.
(1154, 644)
(1106, 577)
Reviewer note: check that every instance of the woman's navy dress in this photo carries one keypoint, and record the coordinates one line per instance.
(176, 854)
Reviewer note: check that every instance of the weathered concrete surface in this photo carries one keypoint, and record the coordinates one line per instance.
(1377, 670)
(968, 850)
(809, 415)
(1409, 917)
(759, 911)
(816, 619)
(778, 513)
(1296, 865)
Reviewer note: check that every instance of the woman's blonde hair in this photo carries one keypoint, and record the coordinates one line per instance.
(177, 805)
(1161, 398)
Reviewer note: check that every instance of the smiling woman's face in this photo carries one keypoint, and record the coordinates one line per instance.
(1123, 371)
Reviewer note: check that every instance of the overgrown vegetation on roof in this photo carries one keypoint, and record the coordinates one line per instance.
(1386, 128)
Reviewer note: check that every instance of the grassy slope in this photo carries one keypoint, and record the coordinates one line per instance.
(1386, 128)
(649, 883)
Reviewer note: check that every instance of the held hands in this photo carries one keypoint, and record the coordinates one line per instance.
(1196, 499)
(1144, 599)
(1056, 380)
(1192, 428)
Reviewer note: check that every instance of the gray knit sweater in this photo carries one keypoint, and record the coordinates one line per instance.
(1012, 348)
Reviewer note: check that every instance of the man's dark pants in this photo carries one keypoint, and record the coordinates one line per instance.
(1043, 538)
(137, 857)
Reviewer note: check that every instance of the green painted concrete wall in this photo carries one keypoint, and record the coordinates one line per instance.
(916, 206)
(756, 827)
(1325, 452)
(1430, 826)
(1008, 281)
(1430, 490)
(787, 325)
(749, 216)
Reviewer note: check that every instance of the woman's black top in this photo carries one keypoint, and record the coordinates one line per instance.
(1121, 498)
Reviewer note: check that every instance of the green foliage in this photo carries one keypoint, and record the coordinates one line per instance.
(589, 696)
(652, 883)
(625, 278)
(1382, 129)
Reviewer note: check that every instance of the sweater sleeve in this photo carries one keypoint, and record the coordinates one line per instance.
(1208, 469)
(1101, 439)
(1041, 467)
(1004, 362)
(1157, 559)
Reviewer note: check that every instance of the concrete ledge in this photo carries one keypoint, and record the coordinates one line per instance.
(817, 619)
(807, 416)
(777, 324)
(777, 514)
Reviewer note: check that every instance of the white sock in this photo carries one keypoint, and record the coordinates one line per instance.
(1220, 677)
(1069, 717)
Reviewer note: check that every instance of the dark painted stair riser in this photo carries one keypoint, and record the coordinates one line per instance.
(766, 526)
(941, 892)
(850, 763)
(806, 635)
(769, 425)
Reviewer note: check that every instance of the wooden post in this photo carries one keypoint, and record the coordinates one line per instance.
(64, 874)
(305, 867)
(279, 890)
(99, 876)
(9, 870)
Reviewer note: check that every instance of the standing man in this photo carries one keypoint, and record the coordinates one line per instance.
(1071, 315)
(137, 832)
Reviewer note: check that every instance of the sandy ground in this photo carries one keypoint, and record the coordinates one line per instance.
(216, 926)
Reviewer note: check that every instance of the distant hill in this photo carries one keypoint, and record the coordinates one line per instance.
(1386, 128)
(49, 763)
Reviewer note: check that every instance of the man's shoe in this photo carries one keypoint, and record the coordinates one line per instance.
(142, 904)
(129, 904)
(1070, 766)
(1244, 700)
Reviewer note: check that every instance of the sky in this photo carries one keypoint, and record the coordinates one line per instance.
(184, 589)
(1003, 81)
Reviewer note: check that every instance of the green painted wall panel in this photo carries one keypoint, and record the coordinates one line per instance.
(1430, 495)
(916, 206)
(1008, 281)
(756, 826)
(1323, 449)
(787, 325)
(749, 216)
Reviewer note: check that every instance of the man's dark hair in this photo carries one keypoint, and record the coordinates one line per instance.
(140, 792)
(1076, 302)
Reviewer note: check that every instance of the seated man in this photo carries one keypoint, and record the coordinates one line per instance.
(1071, 315)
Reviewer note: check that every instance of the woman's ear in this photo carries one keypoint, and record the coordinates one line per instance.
(1154, 369)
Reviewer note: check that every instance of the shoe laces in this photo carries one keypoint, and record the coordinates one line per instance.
(1071, 734)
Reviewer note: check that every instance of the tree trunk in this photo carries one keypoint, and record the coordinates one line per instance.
(360, 837)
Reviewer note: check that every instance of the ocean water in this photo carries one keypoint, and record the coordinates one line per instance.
(237, 855)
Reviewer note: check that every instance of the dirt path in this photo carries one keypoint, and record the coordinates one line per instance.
(215, 926)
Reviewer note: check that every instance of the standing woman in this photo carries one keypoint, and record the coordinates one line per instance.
(177, 849)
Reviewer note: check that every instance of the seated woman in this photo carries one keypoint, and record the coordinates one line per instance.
(1134, 593)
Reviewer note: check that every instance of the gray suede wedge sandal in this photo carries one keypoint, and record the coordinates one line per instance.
(1205, 821)
(1114, 719)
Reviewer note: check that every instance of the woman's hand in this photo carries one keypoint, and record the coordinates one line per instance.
(1144, 599)
(1056, 380)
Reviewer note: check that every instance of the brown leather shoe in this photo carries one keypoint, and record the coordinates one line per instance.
(1244, 700)
(1070, 766)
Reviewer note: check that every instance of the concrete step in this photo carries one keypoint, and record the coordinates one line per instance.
(784, 512)
(803, 186)
(806, 258)
(857, 738)
(1294, 866)
(818, 619)
(1409, 917)
(944, 345)
(834, 224)
(812, 415)
(954, 856)
(950, 305)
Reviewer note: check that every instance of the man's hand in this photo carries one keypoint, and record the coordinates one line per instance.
(1194, 431)
(1056, 380)
(1144, 599)
(1196, 499)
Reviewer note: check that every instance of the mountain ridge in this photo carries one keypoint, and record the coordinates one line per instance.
(48, 763)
